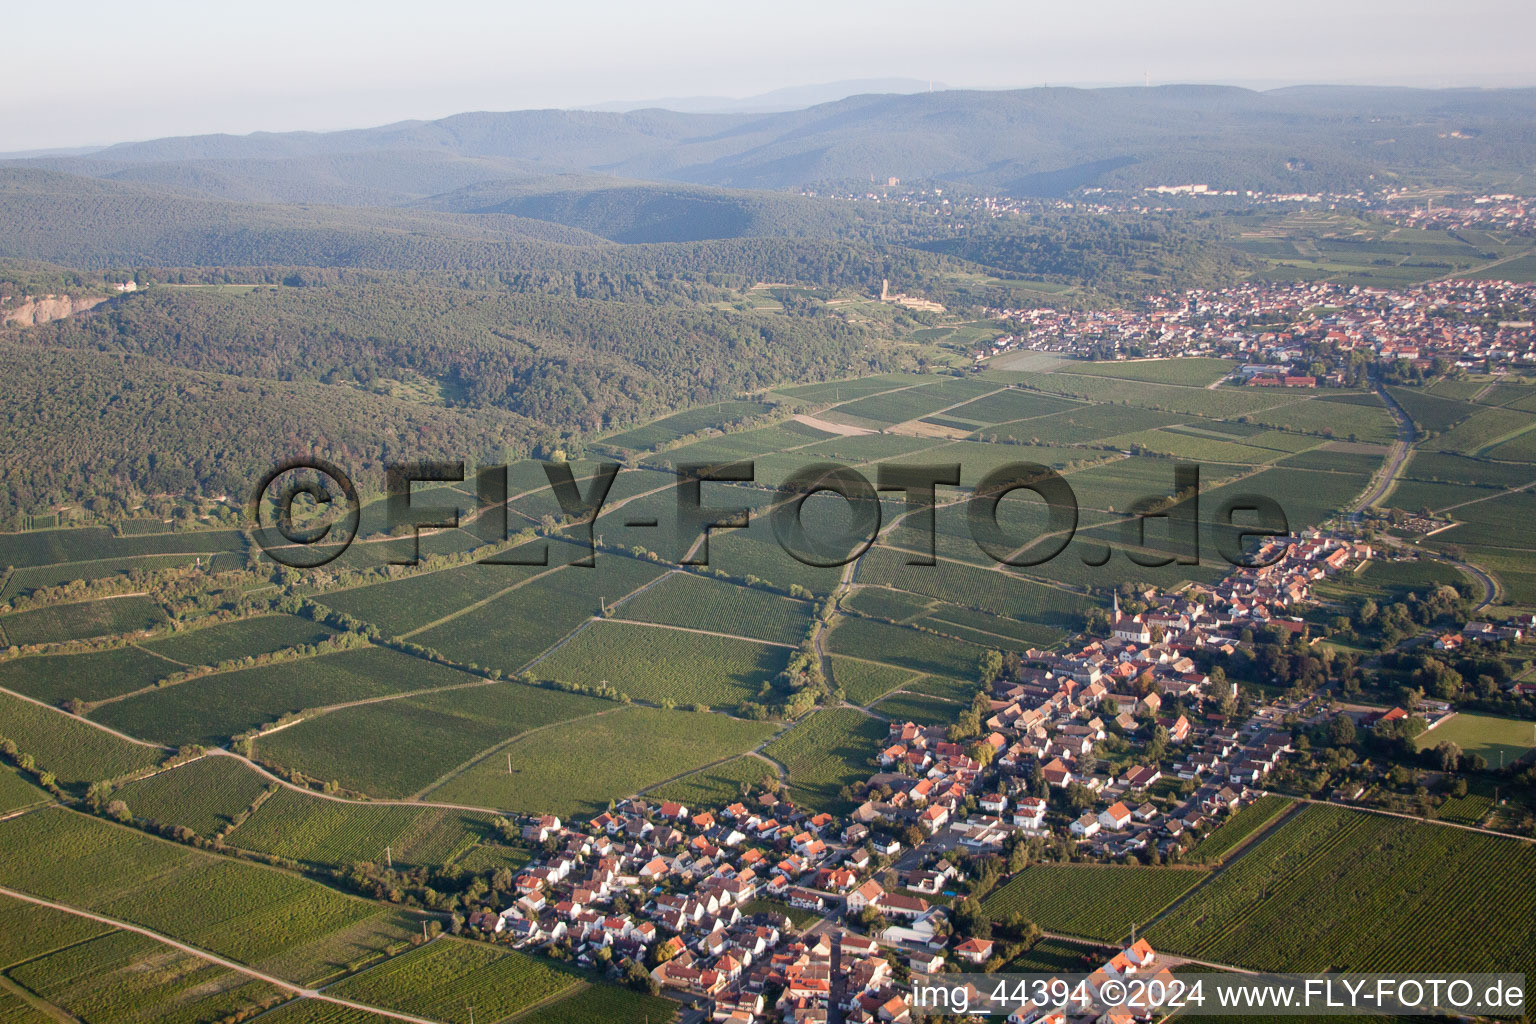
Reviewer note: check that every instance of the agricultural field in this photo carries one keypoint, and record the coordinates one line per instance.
(69, 748)
(248, 913)
(1485, 430)
(1000, 594)
(492, 857)
(754, 552)
(1096, 902)
(17, 792)
(603, 1004)
(865, 681)
(1334, 417)
(1460, 469)
(204, 795)
(1222, 403)
(395, 748)
(987, 629)
(1335, 889)
(212, 645)
(1194, 447)
(1053, 956)
(902, 647)
(576, 768)
(1431, 413)
(1498, 740)
(211, 708)
(91, 543)
(318, 831)
(81, 620)
(445, 978)
(747, 444)
(511, 630)
(1008, 406)
(95, 675)
(654, 664)
(122, 976)
(1236, 829)
(403, 606)
(910, 403)
(833, 748)
(1079, 423)
(846, 390)
(682, 424)
(1465, 810)
(879, 602)
(717, 785)
(697, 602)
(1194, 372)
(317, 1011)
(28, 931)
(922, 708)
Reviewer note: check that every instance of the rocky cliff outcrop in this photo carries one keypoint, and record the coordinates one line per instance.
(44, 308)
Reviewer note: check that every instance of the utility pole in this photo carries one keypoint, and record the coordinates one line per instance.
(389, 861)
(509, 762)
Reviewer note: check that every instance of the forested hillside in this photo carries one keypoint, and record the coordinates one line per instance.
(1027, 141)
(576, 364)
(86, 425)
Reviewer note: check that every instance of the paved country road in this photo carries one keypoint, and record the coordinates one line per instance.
(1400, 449)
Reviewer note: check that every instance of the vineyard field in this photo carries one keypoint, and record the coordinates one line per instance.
(444, 978)
(1336, 889)
(204, 795)
(577, 767)
(1089, 900)
(833, 748)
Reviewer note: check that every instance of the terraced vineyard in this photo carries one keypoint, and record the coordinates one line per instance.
(1089, 900)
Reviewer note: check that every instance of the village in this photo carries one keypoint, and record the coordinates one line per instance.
(1312, 334)
(699, 898)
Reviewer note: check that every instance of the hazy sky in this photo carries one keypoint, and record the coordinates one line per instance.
(95, 72)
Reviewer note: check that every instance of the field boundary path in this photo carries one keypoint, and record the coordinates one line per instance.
(1423, 821)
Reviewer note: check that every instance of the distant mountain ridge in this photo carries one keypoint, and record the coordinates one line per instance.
(1030, 141)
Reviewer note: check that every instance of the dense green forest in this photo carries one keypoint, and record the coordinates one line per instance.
(90, 425)
(582, 364)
